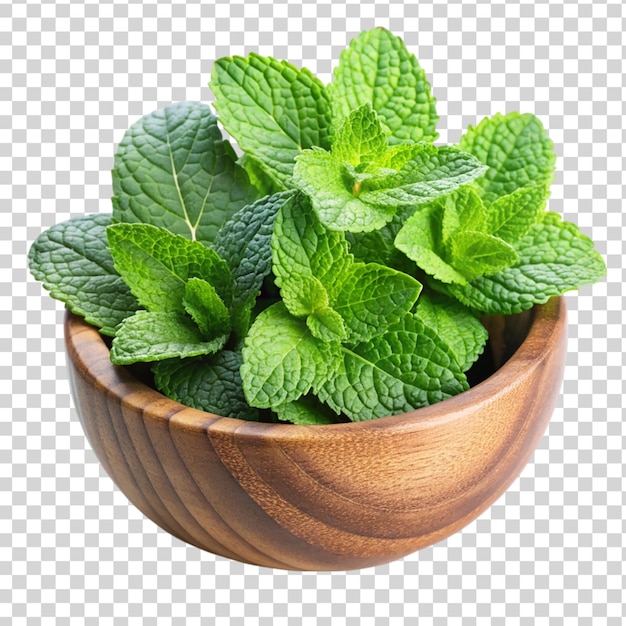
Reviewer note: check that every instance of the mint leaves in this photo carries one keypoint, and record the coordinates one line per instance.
(359, 185)
(338, 268)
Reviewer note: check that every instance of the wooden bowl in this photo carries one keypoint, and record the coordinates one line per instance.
(335, 497)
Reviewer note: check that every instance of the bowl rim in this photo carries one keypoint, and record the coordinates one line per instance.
(90, 355)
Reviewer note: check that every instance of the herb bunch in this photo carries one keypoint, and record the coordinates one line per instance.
(336, 270)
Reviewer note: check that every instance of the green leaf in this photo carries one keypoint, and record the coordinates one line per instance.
(361, 139)
(282, 360)
(517, 150)
(475, 253)
(273, 109)
(211, 384)
(421, 240)
(156, 265)
(244, 243)
(510, 217)
(174, 170)
(326, 324)
(370, 297)
(455, 324)
(206, 308)
(306, 411)
(325, 180)
(377, 69)
(341, 203)
(265, 184)
(462, 210)
(430, 172)
(405, 368)
(156, 336)
(304, 295)
(553, 258)
(73, 262)
(301, 246)
(241, 317)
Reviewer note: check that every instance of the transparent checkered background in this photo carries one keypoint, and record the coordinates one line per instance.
(72, 549)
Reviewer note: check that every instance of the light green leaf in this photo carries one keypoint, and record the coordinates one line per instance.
(304, 295)
(371, 297)
(517, 150)
(429, 173)
(306, 411)
(421, 240)
(325, 180)
(455, 324)
(377, 69)
(405, 368)
(474, 253)
(553, 258)
(366, 205)
(244, 243)
(301, 246)
(510, 217)
(206, 308)
(273, 109)
(326, 324)
(173, 169)
(73, 262)
(265, 184)
(462, 210)
(361, 139)
(282, 360)
(156, 265)
(156, 336)
(211, 384)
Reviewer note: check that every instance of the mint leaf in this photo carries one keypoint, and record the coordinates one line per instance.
(272, 108)
(156, 265)
(244, 243)
(301, 246)
(323, 178)
(282, 360)
(454, 324)
(371, 297)
(361, 140)
(265, 184)
(462, 210)
(211, 384)
(421, 240)
(378, 70)
(554, 257)
(304, 295)
(430, 172)
(517, 150)
(510, 217)
(173, 169)
(306, 411)
(404, 368)
(156, 336)
(327, 325)
(73, 262)
(476, 253)
(206, 308)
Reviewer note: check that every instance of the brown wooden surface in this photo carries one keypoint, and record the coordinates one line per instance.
(334, 497)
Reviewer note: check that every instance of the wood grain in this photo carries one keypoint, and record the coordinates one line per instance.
(335, 497)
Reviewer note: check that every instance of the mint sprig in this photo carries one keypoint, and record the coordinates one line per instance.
(337, 265)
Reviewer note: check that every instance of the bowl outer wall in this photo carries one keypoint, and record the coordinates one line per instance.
(334, 497)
